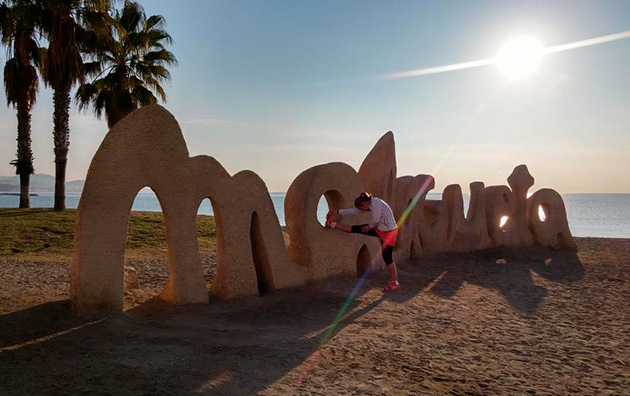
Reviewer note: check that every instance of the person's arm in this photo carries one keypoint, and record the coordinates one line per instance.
(349, 211)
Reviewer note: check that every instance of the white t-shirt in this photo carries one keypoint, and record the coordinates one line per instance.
(382, 215)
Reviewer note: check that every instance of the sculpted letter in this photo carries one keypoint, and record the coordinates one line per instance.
(326, 252)
(470, 233)
(553, 231)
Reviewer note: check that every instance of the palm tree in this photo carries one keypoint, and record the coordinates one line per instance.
(128, 69)
(17, 27)
(66, 24)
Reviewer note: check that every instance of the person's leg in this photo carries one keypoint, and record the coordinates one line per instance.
(342, 227)
(393, 272)
(391, 268)
(356, 229)
(361, 229)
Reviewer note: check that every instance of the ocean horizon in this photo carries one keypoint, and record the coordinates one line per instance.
(589, 215)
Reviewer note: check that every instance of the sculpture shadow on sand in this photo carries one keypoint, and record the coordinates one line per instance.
(244, 345)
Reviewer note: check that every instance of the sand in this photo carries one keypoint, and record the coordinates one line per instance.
(532, 322)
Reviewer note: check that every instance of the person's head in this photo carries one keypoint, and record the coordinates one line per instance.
(362, 202)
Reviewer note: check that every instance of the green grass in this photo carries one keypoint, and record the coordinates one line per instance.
(44, 234)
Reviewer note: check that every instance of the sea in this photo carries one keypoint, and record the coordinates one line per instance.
(590, 215)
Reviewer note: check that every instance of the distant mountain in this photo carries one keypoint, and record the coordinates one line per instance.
(39, 182)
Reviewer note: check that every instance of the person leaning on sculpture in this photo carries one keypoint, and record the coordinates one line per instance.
(383, 226)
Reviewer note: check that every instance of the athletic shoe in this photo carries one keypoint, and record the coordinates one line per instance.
(330, 218)
(391, 287)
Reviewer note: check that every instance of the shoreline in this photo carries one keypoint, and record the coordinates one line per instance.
(578, 225)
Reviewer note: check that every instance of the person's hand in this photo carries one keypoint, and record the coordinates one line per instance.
(330, 213)
(365, 229)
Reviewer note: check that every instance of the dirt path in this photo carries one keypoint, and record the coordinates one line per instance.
(462, 325)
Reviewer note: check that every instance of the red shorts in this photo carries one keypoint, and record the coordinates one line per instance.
(388, 237)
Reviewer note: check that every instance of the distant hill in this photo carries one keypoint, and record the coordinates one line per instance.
(39, 182)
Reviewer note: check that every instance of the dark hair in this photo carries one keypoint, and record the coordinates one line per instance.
(364, 197)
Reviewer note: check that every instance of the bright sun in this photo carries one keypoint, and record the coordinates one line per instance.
(519, 57)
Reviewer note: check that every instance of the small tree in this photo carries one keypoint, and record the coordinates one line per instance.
(67, 24)
(18, 30)
(128, 69)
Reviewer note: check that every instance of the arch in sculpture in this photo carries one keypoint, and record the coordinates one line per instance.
(248, 232)
(554, 230)
(325, 252)
(138, 152)
(499, 203)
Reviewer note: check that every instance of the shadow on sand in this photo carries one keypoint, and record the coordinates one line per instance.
(237, 347)
(506, 270)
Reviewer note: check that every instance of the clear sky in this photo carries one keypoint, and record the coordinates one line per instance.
(279, 86)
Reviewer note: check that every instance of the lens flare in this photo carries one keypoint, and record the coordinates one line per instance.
(533, 52)
(330, 329)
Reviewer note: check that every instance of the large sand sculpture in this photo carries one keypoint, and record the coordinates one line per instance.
(147, 149)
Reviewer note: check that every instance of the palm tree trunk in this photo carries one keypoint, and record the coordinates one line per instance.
(25, 185)
(115, 114)
(61, 136)
(24, 163)
(113, 118)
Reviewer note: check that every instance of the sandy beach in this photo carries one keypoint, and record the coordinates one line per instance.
(527, 322)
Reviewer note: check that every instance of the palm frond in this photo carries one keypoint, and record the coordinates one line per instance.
(128, 70)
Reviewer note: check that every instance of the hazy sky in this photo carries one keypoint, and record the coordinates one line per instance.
(279, 86)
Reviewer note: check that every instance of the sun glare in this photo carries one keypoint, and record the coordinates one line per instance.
(519, 57)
